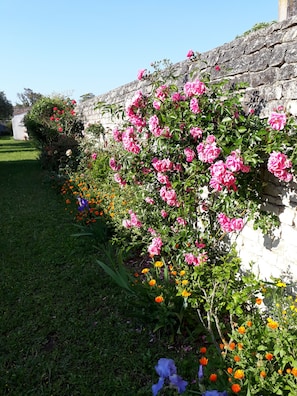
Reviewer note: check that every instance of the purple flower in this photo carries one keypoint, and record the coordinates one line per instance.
(215, 393)
(166, 370)
(82, 204)
(200, 372)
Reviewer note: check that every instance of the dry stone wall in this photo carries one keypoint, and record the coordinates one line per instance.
(267, 60)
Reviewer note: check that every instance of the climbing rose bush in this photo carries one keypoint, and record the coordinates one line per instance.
(196, 157)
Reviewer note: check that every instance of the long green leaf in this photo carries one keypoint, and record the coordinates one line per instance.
(120, 277)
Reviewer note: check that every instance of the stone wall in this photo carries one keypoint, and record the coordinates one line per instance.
(267, 60)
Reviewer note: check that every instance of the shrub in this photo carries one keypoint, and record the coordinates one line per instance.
(53, 125)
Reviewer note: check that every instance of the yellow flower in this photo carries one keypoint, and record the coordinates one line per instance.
(145, 270)
(241, 330)
(185, 282)
(239, 374)
(185, 293)
(159, 264)
(281, 284)
(272, 324)
(182, 273)
(152, 282)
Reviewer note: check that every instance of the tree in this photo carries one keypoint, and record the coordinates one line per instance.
(6, 108)
(28, 98)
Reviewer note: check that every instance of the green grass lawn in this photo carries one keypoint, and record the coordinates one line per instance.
(64, 328)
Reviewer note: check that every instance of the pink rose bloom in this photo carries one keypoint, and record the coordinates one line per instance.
(127, 223)
(210, 139)
(117, 135)
(155, 247)
(237, 224)
(224, 222)
(152, 231)
(177, 97)
(177, 167)
(181, 221)
(196, 132)
(230, 225)
(278, 164)
(169, 196)
(113, 165)
(194, 106)
(163, 179)
(163, 165)
(190, 53)
(194, 88)
(189, 258)
(119, 179)
(156, 105)
(277, 121)
(141, 74)
(149, 200)
(162, 92)
(153, 123)
(189, 153)
(134, 220)
(164, 214)
(200, 245)
(208, 152)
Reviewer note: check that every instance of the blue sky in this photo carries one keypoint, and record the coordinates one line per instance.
(76, 47)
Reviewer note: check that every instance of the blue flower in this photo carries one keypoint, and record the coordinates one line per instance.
(166, 370)
(200, 372)
(215, 393)
(82, 204)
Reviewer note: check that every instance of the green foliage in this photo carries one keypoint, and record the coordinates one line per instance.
(6, 108)
(257, 26)
(265, 345)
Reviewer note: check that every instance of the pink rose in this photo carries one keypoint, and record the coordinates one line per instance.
(277, 121)
(141, 73)
(189, 153)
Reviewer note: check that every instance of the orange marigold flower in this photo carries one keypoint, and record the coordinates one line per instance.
(288, 371)
(68, 201)
(213, 377)
(159, 299)
(241, 330)
(236, 388)
(272, 324)
(237, 358)
(232, 345)
(173, 273)
(280, 371)
(269, 356)
(294, 371)
(152, 282)
(239, 374)
(229, 370)
(259, 301)
(249, 323)
(203, 350)
(203, 361)
(263, 374)
(240, 346)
